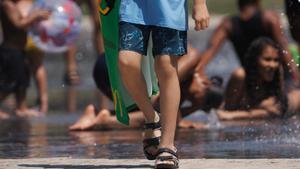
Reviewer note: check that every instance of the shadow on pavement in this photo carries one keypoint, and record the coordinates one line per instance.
(47, 166)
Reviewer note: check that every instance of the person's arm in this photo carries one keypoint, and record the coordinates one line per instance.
(187, 63)
(16, 18)
(267, 108)
(273, 22)
(93, 6)
(216, 41)
(242, 114)
(200, 15)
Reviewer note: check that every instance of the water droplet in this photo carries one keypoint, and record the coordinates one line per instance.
(79, 56)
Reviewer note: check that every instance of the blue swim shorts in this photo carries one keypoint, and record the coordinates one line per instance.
(166, 41)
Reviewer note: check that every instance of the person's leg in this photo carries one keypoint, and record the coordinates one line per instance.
(71, 74)
(71, 79)
(166, 71)
(40, 76)
(134, 82)
(130, 59)
(168, 45)
(130, 69)
(71, 99)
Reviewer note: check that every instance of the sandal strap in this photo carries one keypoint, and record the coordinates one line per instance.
(151, 142)
(165, 158)
(152, 126)
(167, 150)
(171, 158)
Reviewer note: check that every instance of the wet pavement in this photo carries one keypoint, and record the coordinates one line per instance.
(49, 137)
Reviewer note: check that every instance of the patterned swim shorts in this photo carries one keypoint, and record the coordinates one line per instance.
(166, 41)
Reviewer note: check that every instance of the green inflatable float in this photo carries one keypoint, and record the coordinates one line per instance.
(295, 53)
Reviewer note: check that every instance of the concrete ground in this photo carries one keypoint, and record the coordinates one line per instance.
(69, 163)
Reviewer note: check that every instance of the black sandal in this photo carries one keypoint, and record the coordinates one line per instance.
(151, 142)
(160, 160)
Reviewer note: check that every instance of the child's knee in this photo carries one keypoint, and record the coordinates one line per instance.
(166, 71)
(125, 62)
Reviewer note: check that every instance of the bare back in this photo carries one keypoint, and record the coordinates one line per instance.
(13, 37)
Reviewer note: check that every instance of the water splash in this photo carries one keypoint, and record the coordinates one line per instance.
(213, 120)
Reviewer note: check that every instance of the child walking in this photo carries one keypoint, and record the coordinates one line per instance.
(166, 20)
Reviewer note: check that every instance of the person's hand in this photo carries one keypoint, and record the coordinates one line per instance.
(40, 14)
(199, 85)
(271, 105)
(201, 16)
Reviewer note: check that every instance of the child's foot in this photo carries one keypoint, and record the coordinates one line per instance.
(27, 113)
(86, 121)
(167, 159)
(102, 119)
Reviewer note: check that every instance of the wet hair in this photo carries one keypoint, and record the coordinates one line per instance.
(243, 3)
(274, 87)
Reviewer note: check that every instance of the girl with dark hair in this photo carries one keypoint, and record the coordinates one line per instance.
(257, 90)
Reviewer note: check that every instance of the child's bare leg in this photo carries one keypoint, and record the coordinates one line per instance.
(131, 73)
(71, 66)
(166, 71)
(40, 77)
(130, 69)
